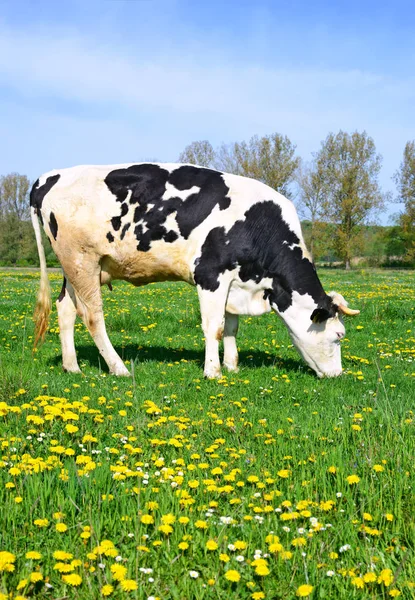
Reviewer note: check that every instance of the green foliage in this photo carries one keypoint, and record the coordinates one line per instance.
(270, 159)
(405, 181)
(349, 168)
(199, 153)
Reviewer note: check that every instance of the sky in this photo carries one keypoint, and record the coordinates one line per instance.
(115, 81)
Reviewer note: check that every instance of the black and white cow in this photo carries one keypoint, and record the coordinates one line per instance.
(237, 240)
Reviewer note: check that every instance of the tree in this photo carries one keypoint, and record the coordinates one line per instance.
(349, 167)
(198, 153)
(14, 212)
(405, 181)
(311, 201)
(14, 195)
(270, 159)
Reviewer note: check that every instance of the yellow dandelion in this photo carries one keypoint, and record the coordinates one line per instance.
(304, 590)
(233, 576)
(128, 585)
(33, 555)
(73, 579)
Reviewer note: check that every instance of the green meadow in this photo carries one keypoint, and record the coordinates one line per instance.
(265, 484)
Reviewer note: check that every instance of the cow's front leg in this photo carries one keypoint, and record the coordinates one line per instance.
(212, 310)
(230, 351)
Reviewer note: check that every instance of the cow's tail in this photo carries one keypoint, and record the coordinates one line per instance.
(44, 302)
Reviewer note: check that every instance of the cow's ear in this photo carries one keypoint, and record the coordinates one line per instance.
(319, 315)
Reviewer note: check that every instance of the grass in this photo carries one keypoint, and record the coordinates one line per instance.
(171, 486)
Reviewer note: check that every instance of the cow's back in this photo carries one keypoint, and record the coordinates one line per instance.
(145, 221)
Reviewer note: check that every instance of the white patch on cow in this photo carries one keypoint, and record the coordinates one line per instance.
(318, 343)
(173, 192)
(144, 227)
(171, 224)
(247, 297)
(149, 207)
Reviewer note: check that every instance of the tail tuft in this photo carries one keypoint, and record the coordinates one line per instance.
(44, 303)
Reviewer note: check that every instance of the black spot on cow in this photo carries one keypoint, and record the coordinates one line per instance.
(37, 193)
(144, 186)
(124, 230)
(116, 223)
(110, 237)
(53, 225)
(63, 291)
(260, 246)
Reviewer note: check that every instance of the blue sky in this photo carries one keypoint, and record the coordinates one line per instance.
(110, 81)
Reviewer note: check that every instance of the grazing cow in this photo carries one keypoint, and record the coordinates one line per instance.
(237, 240)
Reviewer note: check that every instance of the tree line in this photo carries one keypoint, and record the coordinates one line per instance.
(337, 194)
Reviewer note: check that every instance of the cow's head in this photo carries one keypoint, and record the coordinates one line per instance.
(316, 330)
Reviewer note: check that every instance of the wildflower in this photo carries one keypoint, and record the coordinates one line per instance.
(183, 546)
(394, 593)
(258, 596)
(232, 575)
(193, 574)
(72, 579)
(107, 590)
(378, 468)
(168, 519)
(41, 522)
(62, 555)
(118, 572)
(201, 524)
(184, 520)
(304, 590)
(61, 527)
(352, 479)
(211, 545)
(128, 585)
(358, 582)
(166, 529)
(6, 561)
(33, 555)
(369, 577)
(224, 558)
(147, 519)
(385, 577)
(262, 570)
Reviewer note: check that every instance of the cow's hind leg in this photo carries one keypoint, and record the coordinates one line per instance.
(230, 351)
(66, 305)
(212, 310)
(89, 307)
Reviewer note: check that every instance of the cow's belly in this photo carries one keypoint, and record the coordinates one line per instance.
(245, 299)
(163, 262)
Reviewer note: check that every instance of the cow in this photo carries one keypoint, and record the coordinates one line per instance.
(234, 238)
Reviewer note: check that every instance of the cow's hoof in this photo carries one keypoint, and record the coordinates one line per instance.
(216, 374)
(72, 369)
(120, 371)
(231, 368)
